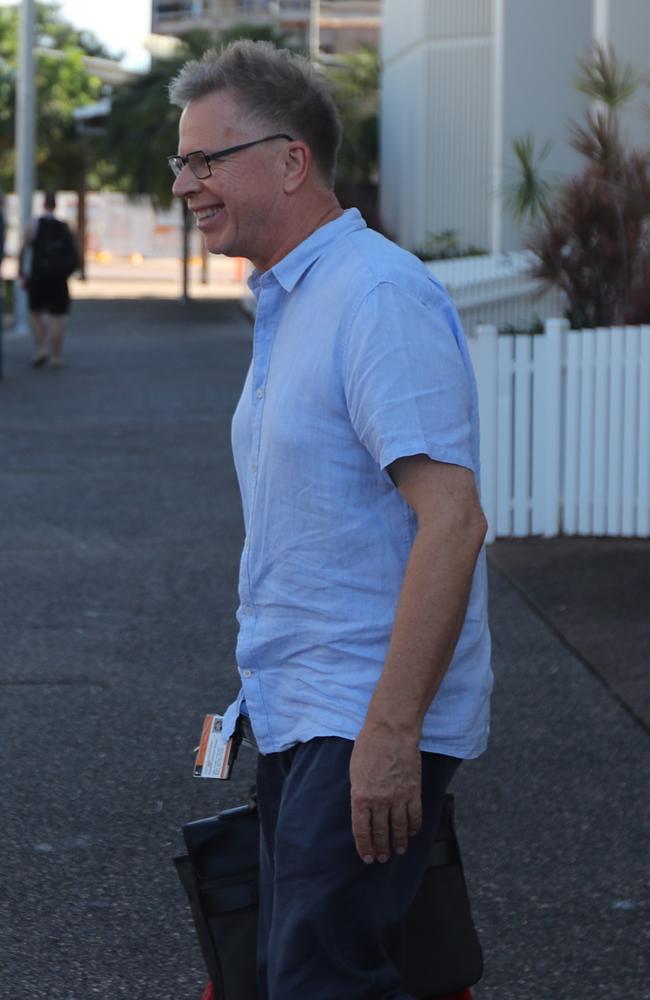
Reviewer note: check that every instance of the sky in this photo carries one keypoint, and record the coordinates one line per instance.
(122, 25)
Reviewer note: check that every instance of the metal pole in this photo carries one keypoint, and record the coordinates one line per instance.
(185, 297)
(25, 143)
(314, 30)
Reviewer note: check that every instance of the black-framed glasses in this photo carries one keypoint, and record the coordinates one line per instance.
(199, 162)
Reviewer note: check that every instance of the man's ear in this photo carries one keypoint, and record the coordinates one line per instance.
(297, 163)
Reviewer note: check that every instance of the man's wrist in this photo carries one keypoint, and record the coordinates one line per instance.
(393, 723)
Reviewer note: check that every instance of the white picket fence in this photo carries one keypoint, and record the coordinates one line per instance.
(565, 431)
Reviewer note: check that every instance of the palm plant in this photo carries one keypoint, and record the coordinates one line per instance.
(603, 79)
(590, 238)
(528, 197)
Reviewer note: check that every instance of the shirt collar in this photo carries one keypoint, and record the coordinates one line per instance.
(291, 268)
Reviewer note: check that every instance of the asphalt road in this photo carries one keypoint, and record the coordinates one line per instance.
(119, 541)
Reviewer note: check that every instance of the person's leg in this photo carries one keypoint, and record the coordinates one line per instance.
(58, 306)
(330, 926)
(57, 334)
(39, 332)
(272, 771)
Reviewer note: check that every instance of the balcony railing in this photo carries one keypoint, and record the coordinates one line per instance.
(276, 10)
(330, 8)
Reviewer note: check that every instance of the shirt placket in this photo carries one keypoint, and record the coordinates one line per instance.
(266, 323)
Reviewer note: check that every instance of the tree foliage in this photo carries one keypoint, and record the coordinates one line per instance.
(62, 84)
(142, 130)
(592, 237)
(355, 82)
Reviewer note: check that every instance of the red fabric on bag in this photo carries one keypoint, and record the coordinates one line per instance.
(208, 994)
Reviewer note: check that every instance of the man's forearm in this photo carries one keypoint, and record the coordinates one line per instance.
(428, 621)
(385, 767)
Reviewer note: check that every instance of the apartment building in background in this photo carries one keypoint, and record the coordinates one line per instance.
(462, 79)
(343, 24)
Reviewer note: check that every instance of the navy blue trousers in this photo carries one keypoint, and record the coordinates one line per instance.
(330, 924)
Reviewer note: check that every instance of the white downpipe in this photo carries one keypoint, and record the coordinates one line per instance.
(498, 84)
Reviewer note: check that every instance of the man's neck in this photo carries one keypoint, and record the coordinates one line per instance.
(306, 223)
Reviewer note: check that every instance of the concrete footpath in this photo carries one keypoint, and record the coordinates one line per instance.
(120, 532)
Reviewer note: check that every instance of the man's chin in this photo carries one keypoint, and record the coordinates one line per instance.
(218, 246)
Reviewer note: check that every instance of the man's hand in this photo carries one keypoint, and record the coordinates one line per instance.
(386, 792)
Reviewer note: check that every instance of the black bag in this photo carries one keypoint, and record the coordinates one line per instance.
(441, 950)
(53, 249)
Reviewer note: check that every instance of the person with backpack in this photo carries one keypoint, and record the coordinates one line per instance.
(48, 258)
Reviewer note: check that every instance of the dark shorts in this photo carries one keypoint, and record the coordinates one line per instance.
(329, 926)
(48, 293)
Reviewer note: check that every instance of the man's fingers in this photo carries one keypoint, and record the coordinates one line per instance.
(414, 815)
(379, 818)
(371, 829)
(362, 833)
(399, 828)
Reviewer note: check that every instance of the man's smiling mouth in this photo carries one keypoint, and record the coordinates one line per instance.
(207, 213)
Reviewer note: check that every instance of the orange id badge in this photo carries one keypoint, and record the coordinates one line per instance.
(215, 757)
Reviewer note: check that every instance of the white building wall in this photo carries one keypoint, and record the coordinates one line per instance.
(541, 43)
(462, 79)
(458, 138)
(436, 98)
(403, 133)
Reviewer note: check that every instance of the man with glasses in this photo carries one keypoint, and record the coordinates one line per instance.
(363, 645)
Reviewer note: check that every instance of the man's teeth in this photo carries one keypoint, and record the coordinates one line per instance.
(206, 213)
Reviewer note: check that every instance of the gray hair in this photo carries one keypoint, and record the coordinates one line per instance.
(275, 87)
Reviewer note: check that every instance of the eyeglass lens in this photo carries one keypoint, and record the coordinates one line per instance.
(196, 162)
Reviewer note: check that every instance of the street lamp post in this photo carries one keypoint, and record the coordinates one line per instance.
(25, 142)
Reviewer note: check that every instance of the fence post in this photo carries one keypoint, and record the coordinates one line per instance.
(486, 377)
(551, 441)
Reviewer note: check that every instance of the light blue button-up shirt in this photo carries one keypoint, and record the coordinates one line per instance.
(358, 359)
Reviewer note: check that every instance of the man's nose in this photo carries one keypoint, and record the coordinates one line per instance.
(186, 183)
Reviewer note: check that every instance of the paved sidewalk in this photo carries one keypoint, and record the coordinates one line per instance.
(595, 593)
(119, 543)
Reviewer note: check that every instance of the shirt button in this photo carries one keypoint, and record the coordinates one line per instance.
(248, 673)
(248, 610)
(259, 393)
(254, 466)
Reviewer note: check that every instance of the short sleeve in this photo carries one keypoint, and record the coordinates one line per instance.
(408, 382)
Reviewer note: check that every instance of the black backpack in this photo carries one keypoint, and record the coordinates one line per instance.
(54, 250)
